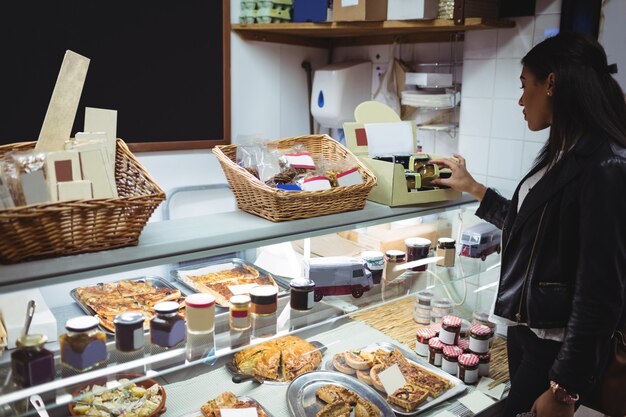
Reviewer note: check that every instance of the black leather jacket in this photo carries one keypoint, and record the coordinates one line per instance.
(564, 255)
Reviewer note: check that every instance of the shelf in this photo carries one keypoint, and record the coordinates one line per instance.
(441, 127)
(198, 237)
(330, 34)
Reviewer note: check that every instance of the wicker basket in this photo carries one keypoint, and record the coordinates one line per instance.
(66, 228)
(257, 198)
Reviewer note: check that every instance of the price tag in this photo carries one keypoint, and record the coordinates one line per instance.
(476, 401)
(239, 412)
(241, 289)
(316, 184)
(300, 160)
(496, 392)
(392, 379)
(350, 177)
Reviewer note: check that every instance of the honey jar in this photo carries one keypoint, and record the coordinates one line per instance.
(239, 312)
(83, 347)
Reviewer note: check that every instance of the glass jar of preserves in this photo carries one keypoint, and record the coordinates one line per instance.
(392, 259)
(483, 364)
(31, 363)
(464, 344)
(424, 297)
(264, 300)
(200, 313)
(435, 351)
(423, 336)
(446, 247)
(375, 263)
(239, 314)
(302, 292)
(449, 360)
(468, 368)
(129, 331)
(167, 327)
(83, 347)
(417, 248)
(450, 329)
(479, 338)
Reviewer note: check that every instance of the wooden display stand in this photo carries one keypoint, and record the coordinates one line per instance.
(391, 189)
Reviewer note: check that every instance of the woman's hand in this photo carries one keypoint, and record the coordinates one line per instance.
(461, 180)
(548, 406)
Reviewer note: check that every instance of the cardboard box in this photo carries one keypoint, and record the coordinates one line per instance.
(412, 9)
(391, 189)
(359, 10)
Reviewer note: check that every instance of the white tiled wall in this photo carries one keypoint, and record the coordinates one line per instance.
(494, 137)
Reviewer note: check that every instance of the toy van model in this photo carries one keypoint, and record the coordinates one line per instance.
(480, 241)
(339, 275)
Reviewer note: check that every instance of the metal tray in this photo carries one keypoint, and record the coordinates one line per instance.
(457, 385)
(239, 397)
(223, 264)
(239, 376)
(156, 282)
(303, 402)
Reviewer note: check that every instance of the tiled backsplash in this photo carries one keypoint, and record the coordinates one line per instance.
(494, 137)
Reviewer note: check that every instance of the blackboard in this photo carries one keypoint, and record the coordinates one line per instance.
(161, 65)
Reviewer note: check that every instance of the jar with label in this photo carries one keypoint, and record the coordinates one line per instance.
(302, 294)
(239, 312)
(392, 259)
(449, 360)
(200, 313)
(483, 318)
(421, 314)
(264, 300)
(417, 248)
(129, 331)
(468, 368)
(435, 351)
(31, 363)
(479, 338)
(375, 263)
(83, 347)
(483, 364)
(423, 336)
(424, 297)
(450, 329)
(446, 247)
(167, 327)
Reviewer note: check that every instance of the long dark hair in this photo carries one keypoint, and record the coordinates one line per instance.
(585, 97)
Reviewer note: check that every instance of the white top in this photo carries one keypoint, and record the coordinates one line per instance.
(556, 334)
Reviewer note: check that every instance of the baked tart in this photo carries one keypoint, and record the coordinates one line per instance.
(376, 369)
(340, 364)
(357, 361)
(435, 384)
(409, 397)
(332, 393)
(365, 408)
(364, 376)
(229, 400)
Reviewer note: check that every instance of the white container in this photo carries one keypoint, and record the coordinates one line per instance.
(412, 9)
(428, 79)
(338, 89)
(200, 313)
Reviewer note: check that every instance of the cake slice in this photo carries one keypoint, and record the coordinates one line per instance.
(409, 397)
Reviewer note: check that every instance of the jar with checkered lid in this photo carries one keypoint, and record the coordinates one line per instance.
(435, 350)
(479, 338)
(468, 368)
(449, 361)
(423, 336)
(450, 329)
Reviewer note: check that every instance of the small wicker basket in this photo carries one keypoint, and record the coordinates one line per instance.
(66, 228)
(255, 197)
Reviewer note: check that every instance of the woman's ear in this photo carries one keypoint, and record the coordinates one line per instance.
(550, 81)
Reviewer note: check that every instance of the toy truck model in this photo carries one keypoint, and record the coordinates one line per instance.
(339, 275)
(480, 241)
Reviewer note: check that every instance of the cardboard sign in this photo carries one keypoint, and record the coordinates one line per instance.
(392, 379)
(239, 412)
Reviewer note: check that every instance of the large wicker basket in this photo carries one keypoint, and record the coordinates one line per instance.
(66, 228)
(257, 198)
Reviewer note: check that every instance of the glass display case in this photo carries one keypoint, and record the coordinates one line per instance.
(383, 314)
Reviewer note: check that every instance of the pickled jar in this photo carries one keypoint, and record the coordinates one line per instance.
(31, 363)
(83, 347)
(239, 313)
(167, 327)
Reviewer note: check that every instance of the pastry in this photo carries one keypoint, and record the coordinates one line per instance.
(375, 378)
(281, 359)
(435, 384)
(229, 400)
(340, 364)
(356, 360)
(365, 408)
(364, 376)
(336, 409)
(332, 393)
(408, 397)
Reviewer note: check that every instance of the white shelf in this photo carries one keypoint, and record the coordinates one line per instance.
(439, 127)
(198, 237)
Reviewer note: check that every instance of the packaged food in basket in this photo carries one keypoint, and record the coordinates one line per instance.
(28, 185)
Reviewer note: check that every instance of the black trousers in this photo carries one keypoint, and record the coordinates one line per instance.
(530, 360)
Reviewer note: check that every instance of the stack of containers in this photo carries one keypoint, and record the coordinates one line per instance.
(443, 345)
(265, 11)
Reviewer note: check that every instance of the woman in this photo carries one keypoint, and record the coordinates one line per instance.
(563, 274)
